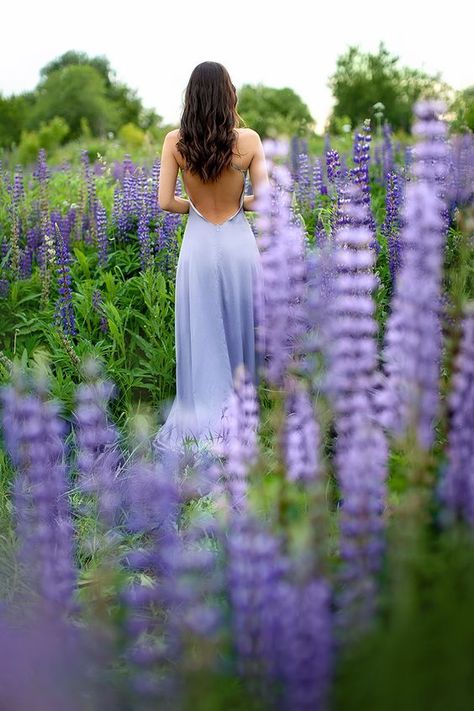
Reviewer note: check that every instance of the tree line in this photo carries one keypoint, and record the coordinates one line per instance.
(79, 95)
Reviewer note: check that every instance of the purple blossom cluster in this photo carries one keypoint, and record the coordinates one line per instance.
(50, 664)
(237, 445)
(102, 241)
(391, 225)
(143, 231)
(361, 448)
(282, 625)
(333, 166)
(461, 174)
(360, 173)
(412, 348)
(175, 606)
(303, 181)
(89, 224)
(34, 437)
(456, 485)
(318, 181)
(388, 158)
(300, 435)
(64, 315)
(98, 454)
(18, 194)
(281, 322)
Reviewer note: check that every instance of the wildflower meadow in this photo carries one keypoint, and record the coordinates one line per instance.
(321, 555)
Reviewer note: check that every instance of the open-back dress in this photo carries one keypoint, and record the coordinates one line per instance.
(218, 303)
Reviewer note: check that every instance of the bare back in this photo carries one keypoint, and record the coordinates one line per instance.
(217, 201)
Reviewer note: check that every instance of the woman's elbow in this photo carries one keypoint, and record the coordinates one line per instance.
(163, 202)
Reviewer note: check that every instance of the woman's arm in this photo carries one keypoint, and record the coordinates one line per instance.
(258, 173)
(169, 167)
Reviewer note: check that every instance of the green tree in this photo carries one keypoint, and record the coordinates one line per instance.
(73, 92)
(128, 106)
(273, 112)
(463, 107)
(13, 112)
(361, 80)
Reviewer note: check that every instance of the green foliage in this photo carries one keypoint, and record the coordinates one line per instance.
(74, 92)
(132, 136)
(419, 657)
(463, 106)
(53, 133)
(274, 112)
(361, 80)
(13, 111)
(29, 147)
(128, 106)
(49, 136)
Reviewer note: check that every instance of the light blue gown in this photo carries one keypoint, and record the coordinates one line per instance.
(218, 302)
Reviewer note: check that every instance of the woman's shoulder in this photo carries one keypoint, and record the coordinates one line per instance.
(246, 131)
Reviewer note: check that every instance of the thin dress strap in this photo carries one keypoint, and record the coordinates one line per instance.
(243, 186)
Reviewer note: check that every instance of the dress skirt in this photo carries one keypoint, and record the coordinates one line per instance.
(218, 304)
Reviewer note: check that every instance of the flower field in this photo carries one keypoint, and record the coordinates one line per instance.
(321, 555)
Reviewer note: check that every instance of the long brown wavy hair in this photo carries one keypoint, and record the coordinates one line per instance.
(207, 134)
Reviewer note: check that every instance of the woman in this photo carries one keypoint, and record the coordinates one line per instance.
(218, 275)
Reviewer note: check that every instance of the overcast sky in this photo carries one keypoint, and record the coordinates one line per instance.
(154, 46)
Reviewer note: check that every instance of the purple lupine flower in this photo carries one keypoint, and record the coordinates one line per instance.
(255, 566)
(305, 646)
(361, 470)
(320, 234)
(413, 339)
(318, 183)
(333, 166)
(99, 457)
(360, 173)
(352, 375)
(153, 206)
(42, 174)
(41, 171)
(345, 172)
(282, 245)
(4, 287)
(456, 486)
(237, 443)
(303, 180)
(34, 437)
(91, 194)
(17, 197)
(391, 224)
(352, 344)
(182, 572)
(300, 435)
(64, 314)
(152, 509)
(166, 248)
(320, 280)
(117, 209)
(461, 178)
(294, 148)
(143, 227)
(71, 663)
(101, 222)
(126, 200)
(26, 262)
(387, 148)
